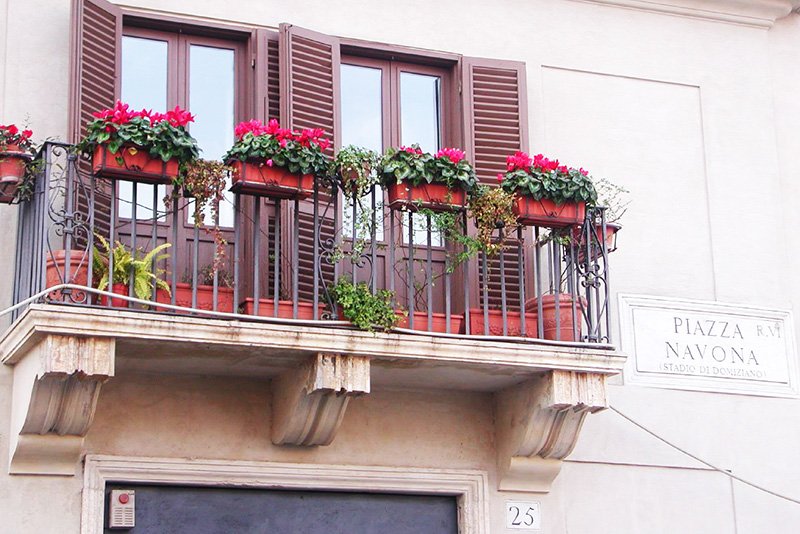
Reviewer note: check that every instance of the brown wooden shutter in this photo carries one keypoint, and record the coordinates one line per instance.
(96, 48)
(495, 113)
(309, 98)
(95, 85)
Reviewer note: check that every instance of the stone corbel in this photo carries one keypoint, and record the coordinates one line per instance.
(538, 423)
(54, 396)
(309, 402)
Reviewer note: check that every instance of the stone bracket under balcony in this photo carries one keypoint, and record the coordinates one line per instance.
(57, 380)
(309, 402)
(537, 424)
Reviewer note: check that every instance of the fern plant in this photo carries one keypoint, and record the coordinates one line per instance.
(128, 265)
(365, 310)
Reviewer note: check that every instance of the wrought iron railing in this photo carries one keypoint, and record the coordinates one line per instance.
(281, 258)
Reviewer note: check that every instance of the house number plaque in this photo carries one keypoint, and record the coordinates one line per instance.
(523, 515)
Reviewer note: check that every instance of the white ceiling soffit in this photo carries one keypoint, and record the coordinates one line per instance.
(759, 13)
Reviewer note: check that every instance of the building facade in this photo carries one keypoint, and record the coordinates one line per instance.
(687, 343)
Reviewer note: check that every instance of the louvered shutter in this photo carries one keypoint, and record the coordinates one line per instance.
(95, 76)
(495, 113)
(309, 98)
(495, 126)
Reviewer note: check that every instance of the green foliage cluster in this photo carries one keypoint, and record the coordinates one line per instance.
(128, 265)
(288, 153)
(356, 169)
(365, 310)
(413, 166)
(555, 185)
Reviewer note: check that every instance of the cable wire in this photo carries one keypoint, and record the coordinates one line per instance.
(707, 464)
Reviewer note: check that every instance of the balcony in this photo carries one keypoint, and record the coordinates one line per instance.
(530, 324)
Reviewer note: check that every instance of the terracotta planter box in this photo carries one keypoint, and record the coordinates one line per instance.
(133, 163)
(611, 231)
(256, 178)
(266, 308)
(531, 212)
(205, 298)
(565, 313)
(56, 269)
(439, 322)
(118, 289)
(513, 328)
(436, 197)
(12, 170)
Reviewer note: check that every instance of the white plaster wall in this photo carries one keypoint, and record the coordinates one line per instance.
(699, 119)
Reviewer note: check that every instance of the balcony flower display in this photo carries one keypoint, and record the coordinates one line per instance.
(356, 170)
(548, 193)
(15, 153)
(417, 179)
(276, 162)
(142, 146)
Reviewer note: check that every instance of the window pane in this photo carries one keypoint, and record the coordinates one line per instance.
(211, 101)
(144, 85)
(420, 110)
(362, 125)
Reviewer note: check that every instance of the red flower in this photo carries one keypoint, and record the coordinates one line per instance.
(544, 164)
(179, 117)
(583, 171)
(411, 150)
(13, 130)
(520, 160)
(500, 177)
(27, 134)
(563, 169)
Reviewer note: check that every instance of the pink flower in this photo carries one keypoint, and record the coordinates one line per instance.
(283, 143)
(544, 164)
(27, 134)
(500, 177)
(411, 150)
(583, 171)
(453, 154)
(269, 163)
(520, 160)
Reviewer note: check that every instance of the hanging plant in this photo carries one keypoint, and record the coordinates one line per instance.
(357, 170)
(493, 209)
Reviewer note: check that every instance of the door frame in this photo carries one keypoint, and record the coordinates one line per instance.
(470, 487)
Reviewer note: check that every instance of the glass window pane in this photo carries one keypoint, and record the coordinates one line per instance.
(362, 125)
(144, 85)
(420, 110)
(212, 102)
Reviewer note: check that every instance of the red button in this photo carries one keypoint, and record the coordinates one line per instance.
(124, 498)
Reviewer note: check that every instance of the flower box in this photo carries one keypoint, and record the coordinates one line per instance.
(439, 322)
(532, 212)
(205, 298)
(133, 163)
(12, 170)
(565, 331)
(56, 269)
(436, 197)
(513, 323)
(266, 308)
(258, 178)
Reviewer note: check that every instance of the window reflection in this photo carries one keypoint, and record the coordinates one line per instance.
(420, 110)
(211, 101)
(144, 85)
(362, 125)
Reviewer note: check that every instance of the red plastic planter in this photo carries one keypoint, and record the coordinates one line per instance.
(55, 273)
(439, 322)
(437, 197)
(12, 170)
(205, 298)
(513, 323)
(266, 308)
(133, 163)
(257, 178)
(531, 212)
(566, 323)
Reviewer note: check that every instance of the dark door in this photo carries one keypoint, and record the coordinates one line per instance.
(199, 510)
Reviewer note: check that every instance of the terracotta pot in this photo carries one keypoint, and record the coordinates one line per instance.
(439, 322)
(257, 178)
(436, 197)
(565, 300)
(12, 170)
(55, 273)
(205, 298)
(531, 212)
(611, 230)
(133, 163)
(119, 289)
(266, 308)
(513, 323)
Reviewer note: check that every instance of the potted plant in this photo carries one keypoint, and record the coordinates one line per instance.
(276, 162)
(356, 169)
(563, 328)
(548, 193)
(613, 200)
(15, 154)
(366, 311)
(127, 267)
(205, 292)
(141, 146)
(416, 179)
